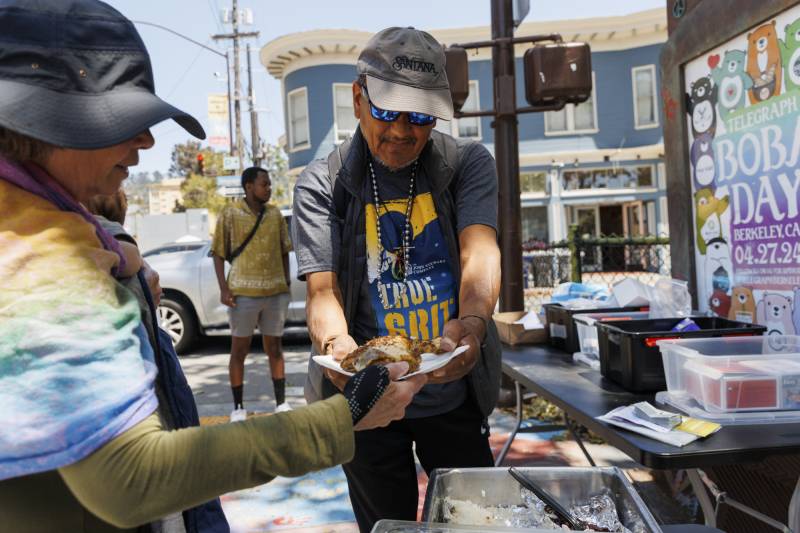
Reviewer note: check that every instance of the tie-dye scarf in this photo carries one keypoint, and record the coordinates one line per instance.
(76, 368)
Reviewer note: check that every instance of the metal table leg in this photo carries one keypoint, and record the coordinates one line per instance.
(794, 509)
(699, 488)
(501, 457)
(700, 482)
(573, 431)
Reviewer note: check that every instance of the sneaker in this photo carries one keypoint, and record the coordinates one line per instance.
(282, 408)
(239, 415)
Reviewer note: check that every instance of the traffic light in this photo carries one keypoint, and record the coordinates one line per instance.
(200, 168)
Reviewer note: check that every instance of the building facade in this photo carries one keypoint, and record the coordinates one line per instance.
(165, 195)
(598, 164)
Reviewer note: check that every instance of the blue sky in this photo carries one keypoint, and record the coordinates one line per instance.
(185, 73)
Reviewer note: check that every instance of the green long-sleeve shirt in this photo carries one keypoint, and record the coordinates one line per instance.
(147, 472)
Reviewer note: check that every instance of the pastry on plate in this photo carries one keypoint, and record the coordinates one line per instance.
(381, 351)
(433, 346)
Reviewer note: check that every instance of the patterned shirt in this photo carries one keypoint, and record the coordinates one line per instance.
(258, 271)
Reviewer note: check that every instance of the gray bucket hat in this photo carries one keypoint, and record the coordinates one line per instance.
(405, 71)
(76, 74)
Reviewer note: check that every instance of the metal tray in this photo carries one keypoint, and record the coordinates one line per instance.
(571, 485)
(401, 526)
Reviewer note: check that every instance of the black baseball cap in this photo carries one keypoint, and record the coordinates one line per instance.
(76, 74)
(405, 71)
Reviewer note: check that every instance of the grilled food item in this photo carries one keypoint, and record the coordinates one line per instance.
(433, 346)
(391, 349)
(380, 351)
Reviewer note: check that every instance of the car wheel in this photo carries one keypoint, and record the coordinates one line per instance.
(179, 323)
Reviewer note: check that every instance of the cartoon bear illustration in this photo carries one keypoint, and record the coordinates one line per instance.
(732, 81)
(708, 210)
(764, 63)
(718, 267)
(720, 303)
(704, 170)
(775, 312)
(701, 105)
(790, 52)
(743, 305)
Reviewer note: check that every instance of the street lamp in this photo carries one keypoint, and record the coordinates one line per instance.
(213, 51)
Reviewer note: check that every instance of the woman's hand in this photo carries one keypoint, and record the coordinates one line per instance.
(376, 386)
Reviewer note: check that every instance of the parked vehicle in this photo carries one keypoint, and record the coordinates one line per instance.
(190, 306)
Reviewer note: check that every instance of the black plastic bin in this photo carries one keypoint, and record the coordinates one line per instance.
(564, 332)
(629, 354)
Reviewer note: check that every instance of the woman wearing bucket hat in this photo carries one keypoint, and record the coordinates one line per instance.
(85, 426)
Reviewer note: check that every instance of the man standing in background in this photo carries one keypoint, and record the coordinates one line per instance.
(253, 237)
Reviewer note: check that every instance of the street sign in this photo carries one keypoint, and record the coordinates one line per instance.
(230, 163)
(520, 11)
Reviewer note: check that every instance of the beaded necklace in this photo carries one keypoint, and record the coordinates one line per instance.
(403, 253)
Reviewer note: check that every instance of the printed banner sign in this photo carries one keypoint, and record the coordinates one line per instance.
(218, 122)
(743, 103)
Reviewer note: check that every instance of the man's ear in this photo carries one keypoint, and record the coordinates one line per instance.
(357, 99)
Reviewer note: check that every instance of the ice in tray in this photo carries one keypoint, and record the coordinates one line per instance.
(735, 374)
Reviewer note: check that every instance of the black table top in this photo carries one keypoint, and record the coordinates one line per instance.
(584, 394)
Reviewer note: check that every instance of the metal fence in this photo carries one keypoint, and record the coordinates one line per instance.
(581, 258)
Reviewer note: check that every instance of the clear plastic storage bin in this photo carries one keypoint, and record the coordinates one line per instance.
(749, 376)
(587, 330)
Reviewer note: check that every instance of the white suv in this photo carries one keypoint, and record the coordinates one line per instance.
(190, 306)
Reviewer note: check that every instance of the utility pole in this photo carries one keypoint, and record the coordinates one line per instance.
(253, 115)
(237, 87)
(506, 140)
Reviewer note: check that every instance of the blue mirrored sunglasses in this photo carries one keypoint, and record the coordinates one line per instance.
(384, 115)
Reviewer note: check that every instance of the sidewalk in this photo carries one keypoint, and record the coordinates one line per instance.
(319, 502)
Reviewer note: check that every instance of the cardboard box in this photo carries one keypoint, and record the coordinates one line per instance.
(514, 334)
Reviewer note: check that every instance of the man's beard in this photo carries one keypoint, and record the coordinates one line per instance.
(391, 168)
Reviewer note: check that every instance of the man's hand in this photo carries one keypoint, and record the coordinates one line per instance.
(392, 405)
(153, 282)
(459, 333)
(226, 297)
(339, 347)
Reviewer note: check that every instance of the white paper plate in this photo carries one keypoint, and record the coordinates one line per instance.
(429, 363)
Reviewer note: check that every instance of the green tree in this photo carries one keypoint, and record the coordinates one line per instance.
(277, 164)
(201, 192)
(184, 160)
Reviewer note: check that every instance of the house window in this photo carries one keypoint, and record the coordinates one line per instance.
(344, 119)
(627, 177)
(532, 181)
(645, 112)
(574, 118)
(299, 135)
(471, 126)
(464, 127)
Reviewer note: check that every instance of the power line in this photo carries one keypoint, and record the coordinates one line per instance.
(185, 72)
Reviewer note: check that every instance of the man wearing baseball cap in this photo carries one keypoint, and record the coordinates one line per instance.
(395, 233)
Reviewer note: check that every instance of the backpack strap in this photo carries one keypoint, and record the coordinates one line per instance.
(238, 251)
(335, 163)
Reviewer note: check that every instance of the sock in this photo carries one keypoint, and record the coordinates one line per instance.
(237, 397)
(280, 390)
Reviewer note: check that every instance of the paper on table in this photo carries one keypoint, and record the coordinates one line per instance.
(429, 363)
(530, 321)
(674, 437)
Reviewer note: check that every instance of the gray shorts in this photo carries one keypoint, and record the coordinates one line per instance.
(268, 312)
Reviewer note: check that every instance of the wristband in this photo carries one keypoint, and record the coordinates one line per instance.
(364, 389)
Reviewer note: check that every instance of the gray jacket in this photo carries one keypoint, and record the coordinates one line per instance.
(345, 169)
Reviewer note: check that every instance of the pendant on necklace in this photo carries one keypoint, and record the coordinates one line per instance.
(399, 264)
